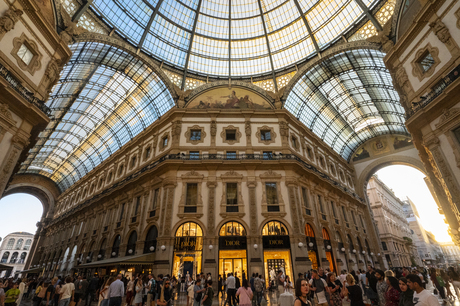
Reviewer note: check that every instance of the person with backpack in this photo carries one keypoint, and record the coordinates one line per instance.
(438, 282)
(320, 289)
(152, 288)
(198, 292)
(208, 296)
(258, 289)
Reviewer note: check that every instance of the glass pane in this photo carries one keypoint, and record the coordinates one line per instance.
(271, 192)
(192, 194)
(25, 54)
(232, 196)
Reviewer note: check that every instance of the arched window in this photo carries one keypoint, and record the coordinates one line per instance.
(309, 231)
(350, 242)
(14, 258)
(19, 244)
(360, 246)
(5, 257)
(89, 257)
(274, 228)
(338, 237)
(116, 246)
(131, 247)
(27, 245)
(326, 234)
(232, 229)
(151, 240)
(102, 248)
(10, 244)
(367, 246)
(22, 259)
(190, 229)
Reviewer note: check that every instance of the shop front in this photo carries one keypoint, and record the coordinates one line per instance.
(188, 250)
(329, 252)
(277, 251)
(233, 250)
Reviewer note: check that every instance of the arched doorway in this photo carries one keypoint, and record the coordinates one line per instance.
(131, 247)
(233, 250)
(328, 249)
(5, 257)
(312, 246)
(277, 250)
(188, 250)
(150, 244)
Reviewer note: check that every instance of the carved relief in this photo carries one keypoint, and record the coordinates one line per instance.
(194, 141)
(71, 30)
(181, 95)
(417, 69)
(382, 37)
(276, 96)
(252, 206)
(211, 204)
(51, 76)
(8, 20)
(443, 34)
(35, 63)
(293, 206)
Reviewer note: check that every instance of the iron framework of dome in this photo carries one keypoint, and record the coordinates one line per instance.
(232, 38)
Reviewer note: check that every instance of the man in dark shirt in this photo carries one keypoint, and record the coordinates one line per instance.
(321, 273)
(84, 290)
(371, 282)
(93, 286)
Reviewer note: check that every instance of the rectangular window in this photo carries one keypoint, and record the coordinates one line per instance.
(194, 154)
(272, 197)
(195, 134)
(231, 155)
(232, 193)
(384, 246)
(344, 214)
(362, 221)
(25, 54)
(138, 203)
(267, 154)
(147, 153)
(333, 209)
(122, 211)
(156, 198)
(306, 203)
(165, 142)
(265, 135)
(294, 142)
(192, 194)
(230, 134)
(353, 216)
(426, 61)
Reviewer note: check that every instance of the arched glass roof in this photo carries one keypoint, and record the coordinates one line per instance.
(347, 99)
(232, 37)
(104, 98)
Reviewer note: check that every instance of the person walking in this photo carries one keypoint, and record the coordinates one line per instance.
(353, 292)
(381, 286)
(335, 288)
(116, 292)
(438, 283)
(245, 294)
(407, 294)
(231, 289)
(12, 295)
(259, 288)
(198, 292)
(320, 288)
(371, 284)
(455, 279)
(392, 294)
(138, 292)
(301, 293)
(209, 294)
(422, 297)
(67, 292)
(22, 289)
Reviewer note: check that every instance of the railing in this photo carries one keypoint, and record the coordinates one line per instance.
(245, 158)
(24, 92)
(438, 89)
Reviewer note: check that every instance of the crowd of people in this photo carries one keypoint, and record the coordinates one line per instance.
(397, 287)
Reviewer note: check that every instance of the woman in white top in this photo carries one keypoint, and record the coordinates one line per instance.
(104, 294)
(138, 292)
(190, 294)
(22, 288)
(287, 284)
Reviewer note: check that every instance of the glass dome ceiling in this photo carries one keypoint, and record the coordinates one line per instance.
(232, 37)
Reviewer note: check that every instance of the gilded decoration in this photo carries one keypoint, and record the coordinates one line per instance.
(272, 134)
(189, 138)
(35, 63)
(223, 134)
(295, 142)
(417, 69)
(8, 20)
(224, 98)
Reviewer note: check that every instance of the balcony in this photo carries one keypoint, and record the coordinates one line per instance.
(22, 91)
(438, 89)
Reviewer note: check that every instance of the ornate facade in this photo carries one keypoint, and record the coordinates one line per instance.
(14, 252)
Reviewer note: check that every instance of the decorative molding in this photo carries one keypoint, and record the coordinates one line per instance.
(51, 77)
(417, 70)
(457, 14)
(237, 134)
(8, 20)
(443, 34)
(211, 206)
(35, 64)
(272, 177)
(272, 134)
(162, 147)
(232, 177)
(188, 134)
(252, 207)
